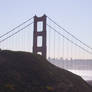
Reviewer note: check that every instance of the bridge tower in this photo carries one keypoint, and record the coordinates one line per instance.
(39, 33)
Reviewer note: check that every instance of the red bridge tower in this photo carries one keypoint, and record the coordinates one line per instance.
(39, 33)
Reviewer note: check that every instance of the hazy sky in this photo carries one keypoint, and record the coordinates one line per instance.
(73, 15)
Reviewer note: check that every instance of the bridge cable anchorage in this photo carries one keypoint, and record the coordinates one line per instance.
(70, 40)
(69, 33)
(16, 27)
(16, 32)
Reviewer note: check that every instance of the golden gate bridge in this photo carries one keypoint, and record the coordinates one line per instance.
(42, 35)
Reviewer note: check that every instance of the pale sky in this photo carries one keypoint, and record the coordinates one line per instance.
(73, 15)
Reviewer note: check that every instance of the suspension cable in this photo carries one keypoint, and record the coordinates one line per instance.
(69, 40)
(16, 27)
(54, 45)
(49, 43)
(69, 33)
(15, 32)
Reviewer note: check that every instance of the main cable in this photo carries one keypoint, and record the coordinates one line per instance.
(69, 40)
(15, 32)
(16, 27)
(70, 33)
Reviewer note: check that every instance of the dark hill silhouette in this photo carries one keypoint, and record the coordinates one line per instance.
(89, 82)
(26, 72)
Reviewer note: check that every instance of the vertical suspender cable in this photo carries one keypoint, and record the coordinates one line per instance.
(58, 46)
(71, 55)
(54, 44)
(49, 44)
(63, 52)
(63, 48)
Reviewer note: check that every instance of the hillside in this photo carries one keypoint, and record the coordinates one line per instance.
(26, 72)
(89, 82)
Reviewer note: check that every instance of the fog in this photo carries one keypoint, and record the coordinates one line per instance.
(80, 67)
